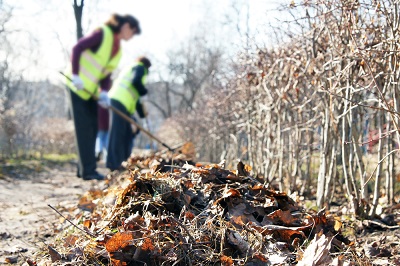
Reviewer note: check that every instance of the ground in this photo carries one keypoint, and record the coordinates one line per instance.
(26, 221)
(28, 224)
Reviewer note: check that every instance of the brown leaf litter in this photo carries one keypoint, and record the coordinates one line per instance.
(166, 210)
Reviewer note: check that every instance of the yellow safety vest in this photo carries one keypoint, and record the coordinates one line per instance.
(93, 67)
(123, 90)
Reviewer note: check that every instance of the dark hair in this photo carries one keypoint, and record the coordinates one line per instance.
(145, 61)
(116, 21)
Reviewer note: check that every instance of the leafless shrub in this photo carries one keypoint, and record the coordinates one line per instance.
(301, 113)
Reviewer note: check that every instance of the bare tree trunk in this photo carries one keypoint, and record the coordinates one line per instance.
(347, 181)
(394, 78)
(378, 169)
(78, 11)
(323, 160)
(389, 165)
(296, 162)
(279, 146)
(305, 189)
(358, 157)
(352, 168)
(330, 178)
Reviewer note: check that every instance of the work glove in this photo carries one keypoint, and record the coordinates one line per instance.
(77, 81)
(104, 101)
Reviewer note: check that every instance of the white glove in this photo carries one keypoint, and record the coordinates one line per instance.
(104, 101)
(77, 81)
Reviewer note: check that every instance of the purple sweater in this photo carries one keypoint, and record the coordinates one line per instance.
(102, 118)
(93, 42)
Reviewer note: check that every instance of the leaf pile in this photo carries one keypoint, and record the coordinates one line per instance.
(171, 211)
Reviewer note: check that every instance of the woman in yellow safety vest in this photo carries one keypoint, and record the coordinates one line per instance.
(94, 58)
(124, 96)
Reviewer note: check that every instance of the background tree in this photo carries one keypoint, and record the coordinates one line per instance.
(78, 12)
(314, 113)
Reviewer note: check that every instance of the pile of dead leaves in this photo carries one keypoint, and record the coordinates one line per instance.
(166, 210)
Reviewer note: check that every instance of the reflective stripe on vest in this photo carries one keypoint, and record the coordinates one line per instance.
(123, 90)
(93, 67)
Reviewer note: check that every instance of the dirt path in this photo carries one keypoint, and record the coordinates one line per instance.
(26, 221)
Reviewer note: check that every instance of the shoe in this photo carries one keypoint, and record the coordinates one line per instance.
(77, 172)
(94, 176)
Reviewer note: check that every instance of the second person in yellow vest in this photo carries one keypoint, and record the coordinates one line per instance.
(124, 96)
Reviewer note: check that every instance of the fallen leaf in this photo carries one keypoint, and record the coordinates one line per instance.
(260, 257)
(226, 261)
(148, 244)
(317, 252)
(54, 255)
(119, 241)
(31, 262)
(337, 226)
(236, 239)
(70, 240)
(11, 260)
(280, 217)
(86, 204)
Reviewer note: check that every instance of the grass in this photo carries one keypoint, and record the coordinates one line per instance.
(21, 166)
(59, 158)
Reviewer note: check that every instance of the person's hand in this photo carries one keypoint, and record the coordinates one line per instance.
(77, 81)
(104, 101)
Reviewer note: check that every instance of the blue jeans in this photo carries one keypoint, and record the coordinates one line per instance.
(102, 143)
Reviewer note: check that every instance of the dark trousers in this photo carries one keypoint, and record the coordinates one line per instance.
(120, 138)
(85, 120)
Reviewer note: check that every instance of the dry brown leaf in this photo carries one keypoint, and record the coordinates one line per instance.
(96, 193)
(317, 252)
(54, 255)
(118, 259)
(189, 215)
(31, 262)
(236, 239)
(11, 260)
(70, 240)
(231, 193)
(148, 244)
(188, 149)
(338, 225)
(119, 241)
(133, 221)
(226, 261)
(239, 220)
(280, 233)
(188, 183)
(242, 169)
(260, 257)
(87, 223)
(281, 217)
(86, 204)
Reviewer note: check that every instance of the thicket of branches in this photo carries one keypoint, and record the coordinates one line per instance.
(302, 113)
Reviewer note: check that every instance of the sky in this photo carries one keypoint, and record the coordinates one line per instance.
(164, 25)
